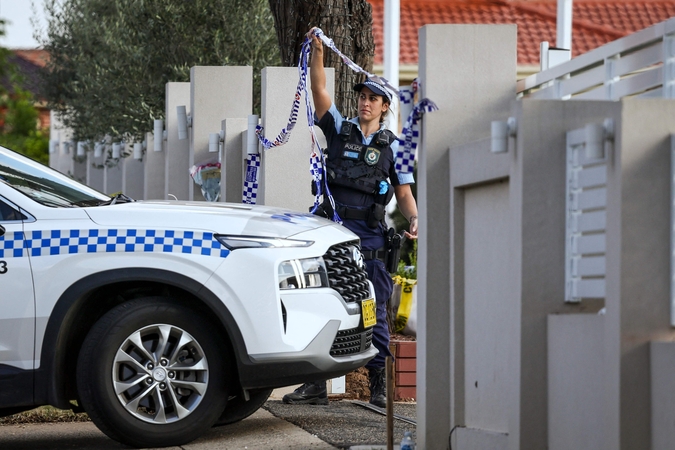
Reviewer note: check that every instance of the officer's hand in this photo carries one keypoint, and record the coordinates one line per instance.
(316, 42)
(412, 229)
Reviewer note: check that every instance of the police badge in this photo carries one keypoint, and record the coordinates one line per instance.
(372, 156)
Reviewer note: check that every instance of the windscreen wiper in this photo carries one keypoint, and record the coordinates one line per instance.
(117, 198)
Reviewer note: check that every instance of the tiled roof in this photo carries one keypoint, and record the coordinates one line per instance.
(28, 64)
(37, 56)
(594, 22)
(28, 70)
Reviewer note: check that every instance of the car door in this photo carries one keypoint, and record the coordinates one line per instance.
(17, 310)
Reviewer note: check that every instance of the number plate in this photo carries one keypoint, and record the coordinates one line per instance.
(368, 313)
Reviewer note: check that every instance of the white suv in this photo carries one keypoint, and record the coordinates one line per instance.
(161, 319)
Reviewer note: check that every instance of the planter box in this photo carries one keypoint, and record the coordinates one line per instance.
(405, 369)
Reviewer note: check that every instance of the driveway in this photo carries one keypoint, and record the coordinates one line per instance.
(260, 431)
(341, 425)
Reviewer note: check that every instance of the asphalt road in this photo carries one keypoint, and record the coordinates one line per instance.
(341, 424)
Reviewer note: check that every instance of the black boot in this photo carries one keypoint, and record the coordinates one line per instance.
(378, 386)
(313, 393)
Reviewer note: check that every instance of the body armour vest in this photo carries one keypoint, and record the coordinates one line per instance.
(357, 166)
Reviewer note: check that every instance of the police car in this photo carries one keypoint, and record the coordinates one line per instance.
(163, 318)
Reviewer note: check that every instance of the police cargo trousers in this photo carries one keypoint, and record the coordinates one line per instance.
(378, 275)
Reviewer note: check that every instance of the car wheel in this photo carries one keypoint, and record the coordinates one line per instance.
(238, 408)
(152, 373)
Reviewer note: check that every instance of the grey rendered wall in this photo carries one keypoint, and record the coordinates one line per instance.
(154, 167)
(540, 174)
(54, 135)
(662, 359)
(469, 72)
(645, 257)
(471, 439)
(499, 365)
(637, 304)
(216, 93)
(285, 179)
(232, 160)
(491, 313)
(95, 171)
(133, 171)
(485, 297)
(112, 178)
(67, 163)
(576, 388)
(177, 159)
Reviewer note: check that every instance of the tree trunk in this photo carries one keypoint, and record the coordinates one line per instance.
(348, 22)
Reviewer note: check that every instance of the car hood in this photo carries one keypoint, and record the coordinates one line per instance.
(223, 218)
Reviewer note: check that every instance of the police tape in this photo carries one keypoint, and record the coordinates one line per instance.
(251, 179)
(405, 156)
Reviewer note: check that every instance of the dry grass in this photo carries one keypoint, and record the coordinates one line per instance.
(44, 414)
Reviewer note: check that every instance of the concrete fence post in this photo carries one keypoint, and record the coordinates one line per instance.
(216, 93)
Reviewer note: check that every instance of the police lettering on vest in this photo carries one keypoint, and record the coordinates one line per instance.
(354, 165)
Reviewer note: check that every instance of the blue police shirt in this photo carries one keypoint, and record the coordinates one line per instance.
(371, 238)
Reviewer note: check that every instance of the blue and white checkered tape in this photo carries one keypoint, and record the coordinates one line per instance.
(69, 242)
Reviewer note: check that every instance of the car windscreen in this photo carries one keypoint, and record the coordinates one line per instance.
(45, 185)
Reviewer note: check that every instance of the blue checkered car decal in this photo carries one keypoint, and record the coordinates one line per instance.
(69, 242)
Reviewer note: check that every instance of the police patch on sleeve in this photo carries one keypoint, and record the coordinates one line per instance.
(372, 156)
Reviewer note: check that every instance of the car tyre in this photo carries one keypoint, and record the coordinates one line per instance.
(152, 373)
(238, 408)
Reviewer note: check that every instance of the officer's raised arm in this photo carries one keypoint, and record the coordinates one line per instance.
(317, 76)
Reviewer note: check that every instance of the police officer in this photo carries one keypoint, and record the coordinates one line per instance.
(362, 179)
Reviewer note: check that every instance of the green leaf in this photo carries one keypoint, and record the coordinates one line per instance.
(110, 61)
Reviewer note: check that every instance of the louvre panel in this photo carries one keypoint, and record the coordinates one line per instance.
(589, 288)
(592, 199)
(586, 221)
(588, 267)
(594, 221)
(594, 243)
(593, 176)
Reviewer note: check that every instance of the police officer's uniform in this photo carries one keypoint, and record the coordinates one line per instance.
(353, 196)
(361, 177)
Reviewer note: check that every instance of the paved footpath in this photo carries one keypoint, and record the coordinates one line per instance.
(340, 425)
(260, 431)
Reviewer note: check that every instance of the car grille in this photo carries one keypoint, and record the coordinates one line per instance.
(344, 274)
(349, 342)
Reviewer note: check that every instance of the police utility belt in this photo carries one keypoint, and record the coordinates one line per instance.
(360, 167)
(390, 253)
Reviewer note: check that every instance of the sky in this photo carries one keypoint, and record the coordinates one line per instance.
(19, 33)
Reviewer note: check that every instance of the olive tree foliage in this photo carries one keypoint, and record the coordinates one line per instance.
(348, 22)
(110, 60)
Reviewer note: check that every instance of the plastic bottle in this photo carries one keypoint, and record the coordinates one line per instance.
(407, 441)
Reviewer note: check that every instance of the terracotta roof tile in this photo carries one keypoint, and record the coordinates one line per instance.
(38, 57)
(28, 69)
(594, 22)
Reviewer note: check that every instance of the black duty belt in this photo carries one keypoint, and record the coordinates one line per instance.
(352, 213)
(380, 254)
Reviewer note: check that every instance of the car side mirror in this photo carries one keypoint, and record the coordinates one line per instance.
(2, 230)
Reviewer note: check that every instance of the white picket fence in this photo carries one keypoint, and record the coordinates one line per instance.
(639, 65)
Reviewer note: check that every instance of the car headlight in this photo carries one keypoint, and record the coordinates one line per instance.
(236, 242)
(303, 273)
